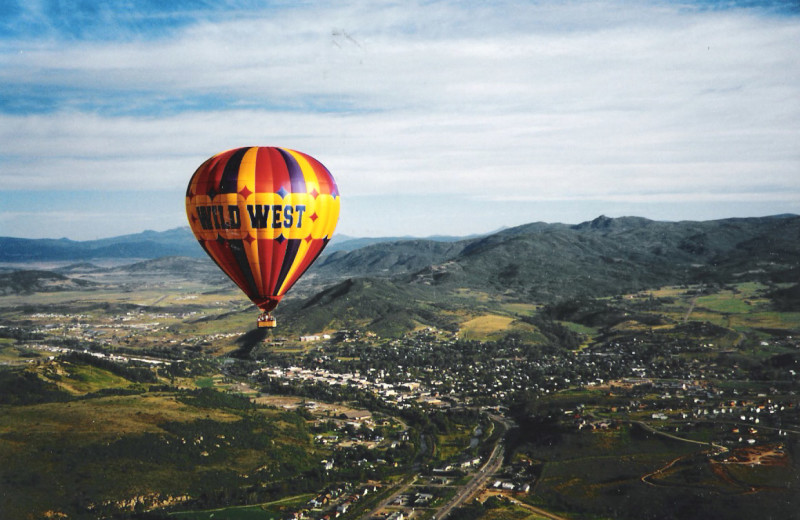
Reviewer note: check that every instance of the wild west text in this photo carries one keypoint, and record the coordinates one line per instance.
(262, 216)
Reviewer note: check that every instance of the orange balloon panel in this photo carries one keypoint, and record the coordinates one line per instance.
(263, 215)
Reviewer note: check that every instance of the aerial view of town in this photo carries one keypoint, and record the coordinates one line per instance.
(144, 390)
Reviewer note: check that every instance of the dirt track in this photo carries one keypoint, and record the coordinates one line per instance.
(533, 509)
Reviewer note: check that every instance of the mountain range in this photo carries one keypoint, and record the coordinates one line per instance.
(405, 281)
(149, 244)
(409, 282)
(604, 255)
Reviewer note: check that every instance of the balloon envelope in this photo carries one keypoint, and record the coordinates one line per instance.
(263, 215)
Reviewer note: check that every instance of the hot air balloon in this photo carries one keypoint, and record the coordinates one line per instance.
(264, 215)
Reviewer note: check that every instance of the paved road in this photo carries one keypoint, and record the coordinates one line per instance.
(402, 487)
(477, 482)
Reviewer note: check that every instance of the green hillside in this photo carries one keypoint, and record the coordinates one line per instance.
(413, 282)
(543, 262)
(375, 304)
(27, 282)
(89, 441)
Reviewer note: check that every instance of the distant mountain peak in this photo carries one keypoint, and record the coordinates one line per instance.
(604, 223)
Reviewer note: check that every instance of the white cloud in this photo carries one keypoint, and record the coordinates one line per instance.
(611, 101)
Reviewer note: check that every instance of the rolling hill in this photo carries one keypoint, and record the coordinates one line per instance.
(31, 281)
(545, 263)
(149, 245)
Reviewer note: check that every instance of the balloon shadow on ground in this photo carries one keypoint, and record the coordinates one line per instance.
(248, 341)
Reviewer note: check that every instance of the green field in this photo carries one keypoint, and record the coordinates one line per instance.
(449, 447)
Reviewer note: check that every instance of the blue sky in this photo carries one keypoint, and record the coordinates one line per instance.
(435, 117)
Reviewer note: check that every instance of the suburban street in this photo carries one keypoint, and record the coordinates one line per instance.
(401, 488)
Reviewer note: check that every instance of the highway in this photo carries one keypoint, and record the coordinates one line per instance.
(492, 465)
(465, 493)
(476, 483)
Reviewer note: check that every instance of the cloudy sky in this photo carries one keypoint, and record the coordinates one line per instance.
(435, 117)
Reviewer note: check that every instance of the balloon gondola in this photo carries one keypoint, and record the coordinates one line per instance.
(263, 215)
(266, 320)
